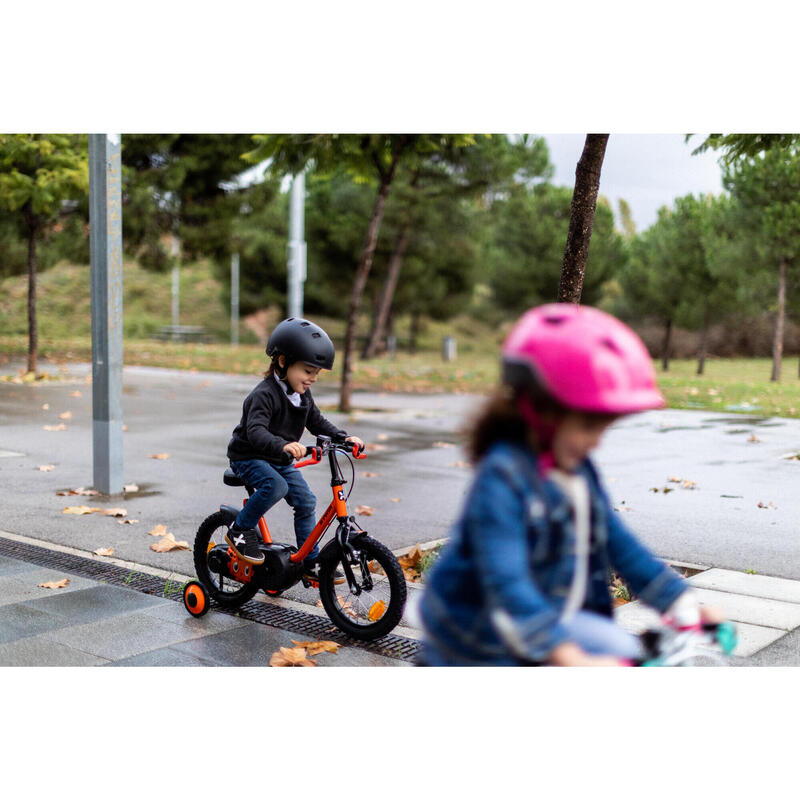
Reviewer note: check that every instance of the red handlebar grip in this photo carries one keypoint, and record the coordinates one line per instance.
(358, 451)
(316, 457)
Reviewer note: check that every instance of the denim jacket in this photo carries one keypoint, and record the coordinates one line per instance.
(495, 594)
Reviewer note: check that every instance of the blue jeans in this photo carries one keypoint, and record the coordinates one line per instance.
(593, 633)
(272, 482)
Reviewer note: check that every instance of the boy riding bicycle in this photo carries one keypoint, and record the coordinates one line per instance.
(274, 416)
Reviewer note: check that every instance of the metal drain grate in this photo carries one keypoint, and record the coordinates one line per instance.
(391, 645)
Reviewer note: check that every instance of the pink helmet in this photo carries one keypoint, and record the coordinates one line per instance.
(585, 359)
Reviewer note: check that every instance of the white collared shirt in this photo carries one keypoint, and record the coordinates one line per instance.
(294, 397)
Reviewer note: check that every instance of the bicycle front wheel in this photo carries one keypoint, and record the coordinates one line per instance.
(376, 606)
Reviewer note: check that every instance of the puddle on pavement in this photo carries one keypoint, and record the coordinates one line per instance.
(145, 490)
(763, 422)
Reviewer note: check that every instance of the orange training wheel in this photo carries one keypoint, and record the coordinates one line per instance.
(195, 599)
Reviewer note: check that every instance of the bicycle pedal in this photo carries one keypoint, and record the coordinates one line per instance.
(309, 584)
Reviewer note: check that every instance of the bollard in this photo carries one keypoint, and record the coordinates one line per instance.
(391, 345)
(448, 348)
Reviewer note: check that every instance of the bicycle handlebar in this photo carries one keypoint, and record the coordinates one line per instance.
(323, 445)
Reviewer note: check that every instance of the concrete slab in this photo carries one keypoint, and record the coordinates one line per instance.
(755, 610)
(36, 651)
(163, 657)
(253, 645)
(95, 603)
(12, 566)
(120, 636)
(726, 580)
(18, 621)
(753, 638)
(24, 587)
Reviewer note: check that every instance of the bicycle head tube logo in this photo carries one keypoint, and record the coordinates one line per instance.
(340, 494)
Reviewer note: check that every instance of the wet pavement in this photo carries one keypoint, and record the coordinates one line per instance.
(730, 501)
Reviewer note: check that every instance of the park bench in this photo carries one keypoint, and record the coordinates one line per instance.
(182, 333)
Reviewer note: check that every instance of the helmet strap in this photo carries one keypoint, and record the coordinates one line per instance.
(545, 431)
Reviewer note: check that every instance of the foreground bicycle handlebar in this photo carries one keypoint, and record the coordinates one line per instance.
(673, 646)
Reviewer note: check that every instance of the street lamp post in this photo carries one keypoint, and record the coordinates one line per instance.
(105, 243)
(297, 246)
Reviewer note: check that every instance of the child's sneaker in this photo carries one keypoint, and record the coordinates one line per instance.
(245, 545)
(311, 573)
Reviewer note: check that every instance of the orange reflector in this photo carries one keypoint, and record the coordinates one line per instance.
(377, 610)
(210, 547)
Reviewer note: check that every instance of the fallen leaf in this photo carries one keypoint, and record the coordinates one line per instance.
(765, 505)
(619, 601)
(412, 558)
(322, 646)
(130, 488)
(168, 543)
(80, 491)
(753, 438)
(365, 511)
(46, 407)
(160, 456)
(382, 437)
(291, 657)
(60, 427)
(371, 474)
(113, 512)
(104, 551)
(65, 415)
(79, 510)
(127, 521)
(159, 530)
(55, 584)
(459, 464)
(76, 393)
(688, 485)
(442, 444)
(394, 499)
(46, 467)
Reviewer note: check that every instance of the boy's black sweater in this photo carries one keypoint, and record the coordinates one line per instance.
(269, 422)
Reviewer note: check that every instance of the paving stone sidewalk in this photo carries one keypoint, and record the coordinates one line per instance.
(88, 623)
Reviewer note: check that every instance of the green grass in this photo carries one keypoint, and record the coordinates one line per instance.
(729, 385)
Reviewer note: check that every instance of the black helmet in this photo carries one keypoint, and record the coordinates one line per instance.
(301, 340)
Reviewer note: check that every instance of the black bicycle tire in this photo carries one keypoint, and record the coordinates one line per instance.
(203, 536)
(397, 585)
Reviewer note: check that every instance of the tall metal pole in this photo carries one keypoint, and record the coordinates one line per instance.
(105, 243)
(297, 246)
(235, 300)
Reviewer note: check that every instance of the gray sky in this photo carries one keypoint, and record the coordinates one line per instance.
(649, 170)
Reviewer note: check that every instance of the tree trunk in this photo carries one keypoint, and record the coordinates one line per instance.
(362, 273)
(33, 336)
(777, 342)
(701, 356)
(584, 202)
(387, 292)
(667, 346)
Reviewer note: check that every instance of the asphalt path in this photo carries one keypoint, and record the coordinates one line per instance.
(736, 510)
